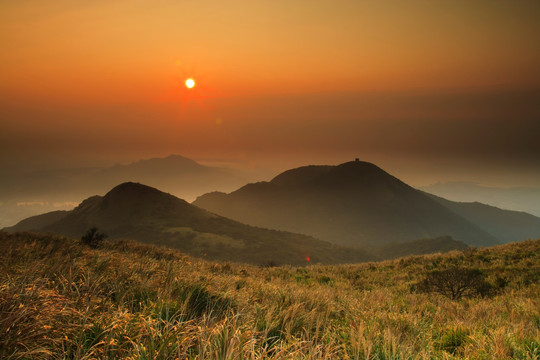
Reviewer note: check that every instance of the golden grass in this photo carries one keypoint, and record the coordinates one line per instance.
(61, 300)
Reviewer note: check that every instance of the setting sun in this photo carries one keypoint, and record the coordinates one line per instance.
(190, 83)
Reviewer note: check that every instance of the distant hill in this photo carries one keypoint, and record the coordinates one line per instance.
(26, 194)
(142, 213)
(352, 204)
(40, 221)
(176, 174)
(515, 198)
(505, 225)
(441, 244)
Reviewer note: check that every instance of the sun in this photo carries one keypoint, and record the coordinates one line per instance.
(190, 83)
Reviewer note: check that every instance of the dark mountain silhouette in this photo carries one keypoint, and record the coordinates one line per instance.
(27, 194)
(505, 225)
(142, 213)
(352, 204)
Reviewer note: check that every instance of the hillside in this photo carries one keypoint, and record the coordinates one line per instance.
(352, 204)
(132, 301)
(135, 211)
(40, 221)
(441, 244)
(505, 225)
(514, 198)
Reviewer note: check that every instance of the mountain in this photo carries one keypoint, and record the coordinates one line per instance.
(26, 194)
(182, 176)
(142, 213)
(514, 198)
(505, 225)
(40, 221)
(352, 204)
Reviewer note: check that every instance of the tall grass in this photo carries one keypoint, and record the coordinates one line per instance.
(62, 300)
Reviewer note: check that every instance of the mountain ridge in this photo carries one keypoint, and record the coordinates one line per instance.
(520, 198)
(505, 225)
(139, 212)
(61, 189)
(353, 204)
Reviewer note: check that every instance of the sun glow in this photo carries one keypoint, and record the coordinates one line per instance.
(190, 83)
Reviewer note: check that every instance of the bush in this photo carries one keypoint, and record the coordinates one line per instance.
(93, 238)
(455, 283)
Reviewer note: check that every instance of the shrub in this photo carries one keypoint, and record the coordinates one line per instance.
(455, 283)
(501, 282)
(93, 238)
(270, 264)
(324, 280)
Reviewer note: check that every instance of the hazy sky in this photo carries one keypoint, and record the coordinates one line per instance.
(429, 90)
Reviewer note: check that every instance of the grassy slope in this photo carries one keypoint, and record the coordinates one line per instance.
(441, 244)
(60, 300)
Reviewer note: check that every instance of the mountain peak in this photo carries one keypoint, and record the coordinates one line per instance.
(130, 187)
(352, 173)
(135, 193)
(158, 163)
(360, 167)
(177, 159)
(358, 164)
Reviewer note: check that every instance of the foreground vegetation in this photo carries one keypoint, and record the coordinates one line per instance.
(60, 299)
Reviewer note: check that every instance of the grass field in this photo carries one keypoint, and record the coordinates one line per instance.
(62, 300)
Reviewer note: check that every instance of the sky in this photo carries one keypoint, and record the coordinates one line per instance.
(429, 90)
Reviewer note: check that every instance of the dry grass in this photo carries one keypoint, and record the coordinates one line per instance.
(61, 300)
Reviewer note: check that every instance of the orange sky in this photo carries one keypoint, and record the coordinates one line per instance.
(275, 80)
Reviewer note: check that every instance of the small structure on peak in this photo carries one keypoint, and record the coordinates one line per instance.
(356, 159)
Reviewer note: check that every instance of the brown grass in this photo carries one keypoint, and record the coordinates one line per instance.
(61, 300)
